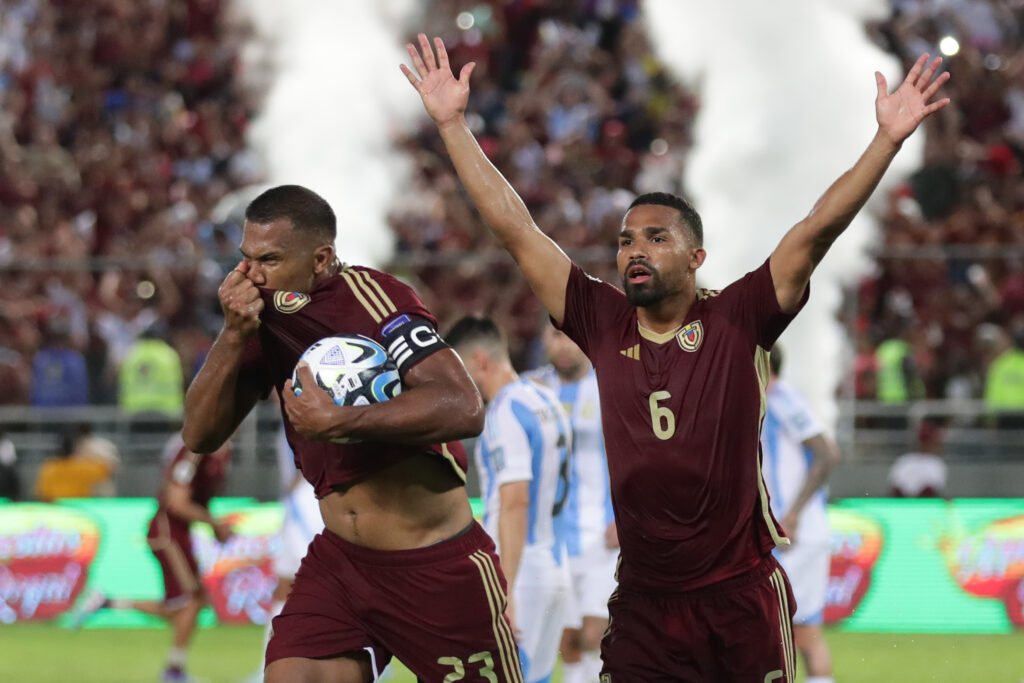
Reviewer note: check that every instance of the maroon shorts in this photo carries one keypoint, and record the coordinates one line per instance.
(439, 609)
(737, 630)
(171, 544)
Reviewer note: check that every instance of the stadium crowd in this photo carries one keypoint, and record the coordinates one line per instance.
(122, 126)
(946, 302)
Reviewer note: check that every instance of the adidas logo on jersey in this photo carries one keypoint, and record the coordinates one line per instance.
(632, 352)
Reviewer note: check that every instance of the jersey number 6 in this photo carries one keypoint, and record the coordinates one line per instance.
(663, 422)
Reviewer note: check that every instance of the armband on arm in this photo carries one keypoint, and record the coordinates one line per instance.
(409, 339)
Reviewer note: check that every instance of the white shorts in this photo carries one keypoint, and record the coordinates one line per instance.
(302, 521)
(541, 596)
(807, 565)
(593, 581)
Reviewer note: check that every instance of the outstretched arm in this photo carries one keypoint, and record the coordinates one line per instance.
(898, 115)
(825, 454)
(544, 264)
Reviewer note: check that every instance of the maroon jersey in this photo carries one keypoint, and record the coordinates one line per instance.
(203, 474)
(682, 415)
(355, 301)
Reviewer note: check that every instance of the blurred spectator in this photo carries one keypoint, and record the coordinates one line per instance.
(92, 447)
(921, 473)
(897, 378)
(10, 480)
(59, 375)
(865, 369)
(150, 379)
(69, 475)
(1004, 384)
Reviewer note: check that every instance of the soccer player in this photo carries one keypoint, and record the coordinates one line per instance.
(401, 567)
(798, 458)
(682, 373)
(522, 457)
(190, 480)
(587, 523)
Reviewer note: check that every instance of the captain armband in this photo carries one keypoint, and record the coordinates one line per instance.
(409, 339)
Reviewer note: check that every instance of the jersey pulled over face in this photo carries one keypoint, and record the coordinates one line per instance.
(682, 415)
(355, 301)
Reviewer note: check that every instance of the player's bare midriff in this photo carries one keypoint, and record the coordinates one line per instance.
(415, 503)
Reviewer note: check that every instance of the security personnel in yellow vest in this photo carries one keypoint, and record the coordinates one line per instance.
(1004, 385)
(897, 380)
(897, 377)
(150, 378)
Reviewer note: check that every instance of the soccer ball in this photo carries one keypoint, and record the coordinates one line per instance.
(354, 370)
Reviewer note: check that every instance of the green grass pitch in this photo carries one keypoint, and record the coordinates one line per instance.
(42, 653)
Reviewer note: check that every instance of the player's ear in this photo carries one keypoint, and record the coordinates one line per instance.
(323, 257)
(697, 258)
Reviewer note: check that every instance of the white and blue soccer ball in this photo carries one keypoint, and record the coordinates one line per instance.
(354, 370)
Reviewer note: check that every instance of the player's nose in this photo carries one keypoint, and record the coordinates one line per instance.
(256, 274)
(635, 252)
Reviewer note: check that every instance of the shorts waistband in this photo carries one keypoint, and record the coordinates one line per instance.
(759, 572)
(762, 571)
(472, 538)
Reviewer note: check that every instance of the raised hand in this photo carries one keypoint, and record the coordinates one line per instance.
(900, 113)
(443, 96)
(240, 301)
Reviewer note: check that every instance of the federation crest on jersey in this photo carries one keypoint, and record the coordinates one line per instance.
(290, 302)
(691, 336)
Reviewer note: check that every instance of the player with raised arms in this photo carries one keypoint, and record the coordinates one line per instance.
(682, 373)
(400, 540)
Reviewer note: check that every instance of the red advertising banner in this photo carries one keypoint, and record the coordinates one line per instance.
(45, 554)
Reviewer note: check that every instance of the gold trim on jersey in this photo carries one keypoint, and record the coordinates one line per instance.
(785, 624)
(763, 374)
(632, 352)
(447, 454)
(656, 337)
(350, 281)
(496, 601)
(363, 286)
(703, 293)
(388, 304)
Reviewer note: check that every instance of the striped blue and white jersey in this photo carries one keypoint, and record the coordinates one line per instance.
(787, 424)
(526, 437)
(588, 509)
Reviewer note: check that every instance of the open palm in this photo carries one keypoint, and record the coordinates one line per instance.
(900, 113)
(443, 96)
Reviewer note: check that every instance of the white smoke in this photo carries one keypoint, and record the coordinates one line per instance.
(786, 93)
(333, 102)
